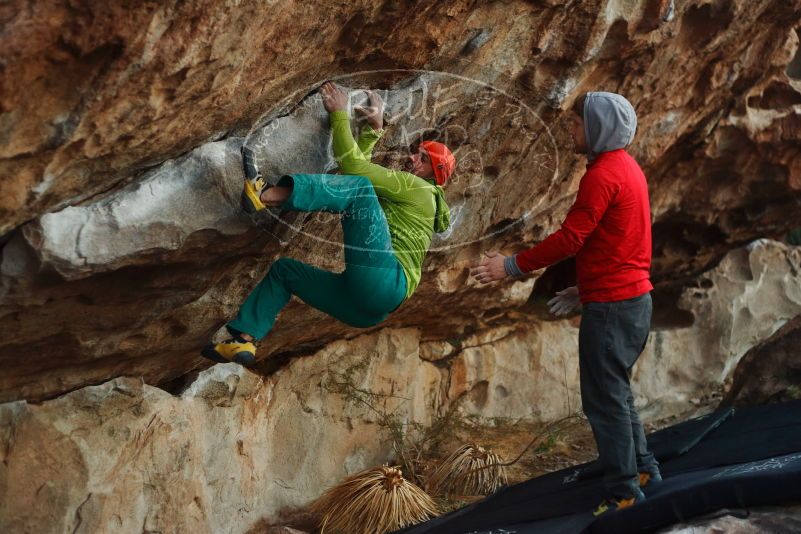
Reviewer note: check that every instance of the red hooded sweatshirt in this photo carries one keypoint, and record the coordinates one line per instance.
(608, 229)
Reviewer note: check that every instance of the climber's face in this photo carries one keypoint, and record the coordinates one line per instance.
(420, 164)
(577, 133)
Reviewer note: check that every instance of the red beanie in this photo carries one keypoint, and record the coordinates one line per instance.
(442, 160)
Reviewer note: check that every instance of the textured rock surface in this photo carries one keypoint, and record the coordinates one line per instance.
(152, 216)
(121, 125)
(531, 370)
(229, 451)
(756, 521)
(232, 451)
(748, 297)
(770, 371)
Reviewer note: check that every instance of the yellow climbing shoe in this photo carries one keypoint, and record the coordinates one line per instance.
(254, 182)
(232, 350)
(251, 196)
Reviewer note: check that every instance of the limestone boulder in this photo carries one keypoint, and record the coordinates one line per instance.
(770, 371)
(531, 370)
(229, 452)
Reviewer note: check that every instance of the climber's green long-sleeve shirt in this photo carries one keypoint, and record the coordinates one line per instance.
(415, 208)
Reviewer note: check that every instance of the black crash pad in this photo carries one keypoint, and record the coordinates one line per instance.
(726, 459)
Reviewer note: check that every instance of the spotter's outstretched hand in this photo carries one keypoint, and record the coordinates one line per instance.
(565, 301)
(490, 269)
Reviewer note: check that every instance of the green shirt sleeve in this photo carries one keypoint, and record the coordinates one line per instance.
(367, 140)
(394, 185)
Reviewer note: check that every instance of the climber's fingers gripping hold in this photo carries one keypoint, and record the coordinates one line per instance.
(374, 113)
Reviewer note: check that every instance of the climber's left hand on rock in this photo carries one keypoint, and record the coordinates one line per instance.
(490, 269)
(334, 98)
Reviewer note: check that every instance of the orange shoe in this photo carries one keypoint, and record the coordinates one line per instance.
(647, 479)
(615, 504)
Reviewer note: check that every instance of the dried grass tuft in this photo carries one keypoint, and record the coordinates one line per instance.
(470, 470)
(373, 501)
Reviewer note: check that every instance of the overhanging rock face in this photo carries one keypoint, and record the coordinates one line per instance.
(123, 248)
(126, 250)
(154, 217)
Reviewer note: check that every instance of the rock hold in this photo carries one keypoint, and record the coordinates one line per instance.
(157, 213)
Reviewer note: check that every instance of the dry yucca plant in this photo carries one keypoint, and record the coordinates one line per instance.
(373, 501)
(470, 470)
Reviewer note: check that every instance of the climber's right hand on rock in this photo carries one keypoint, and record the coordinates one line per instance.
(374, 113)
(334, 98)
(565, 301)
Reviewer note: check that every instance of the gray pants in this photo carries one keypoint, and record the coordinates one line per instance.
(611, 337)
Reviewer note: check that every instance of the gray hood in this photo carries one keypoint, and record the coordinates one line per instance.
(609, 122)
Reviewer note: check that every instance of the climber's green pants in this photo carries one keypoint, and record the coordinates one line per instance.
(373, 283)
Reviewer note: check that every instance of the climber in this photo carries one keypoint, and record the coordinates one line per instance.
(388, 219)
(608, 229)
